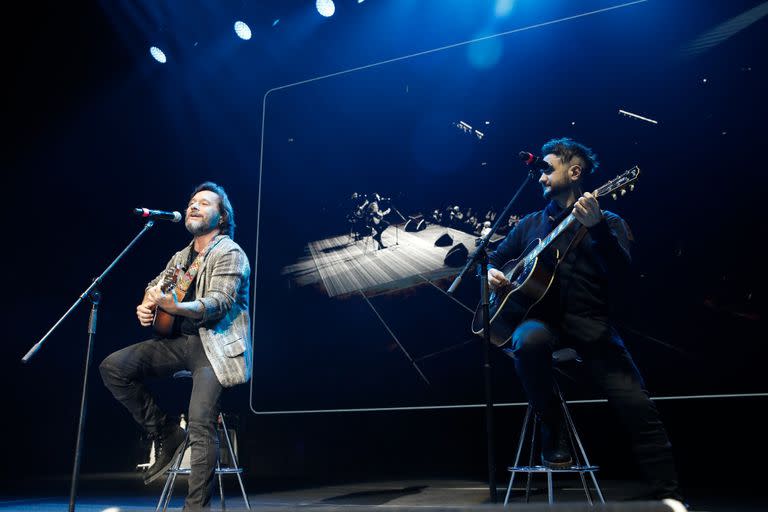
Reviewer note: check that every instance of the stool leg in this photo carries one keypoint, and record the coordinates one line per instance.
(165, 496)
(572, 427)
(236, 464)
(597, 487)
(170, 492)
(586, 488)
(221, 486)
(550, 490)
(162, 494)
(530, 457)
(579, 463)
(519, 451)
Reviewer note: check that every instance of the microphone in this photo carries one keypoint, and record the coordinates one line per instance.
(157, 214)
(534, 161)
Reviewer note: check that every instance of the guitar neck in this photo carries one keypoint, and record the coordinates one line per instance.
(564, 225)
(620, 184)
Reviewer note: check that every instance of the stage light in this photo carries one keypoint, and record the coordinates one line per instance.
(242, 30)
(325, 7)
(503, 7)
(158, 54)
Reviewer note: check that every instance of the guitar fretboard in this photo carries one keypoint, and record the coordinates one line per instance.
(565, 224)
(619, 183)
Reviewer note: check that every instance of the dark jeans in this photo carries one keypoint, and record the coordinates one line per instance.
(613, 371)
(124, 372)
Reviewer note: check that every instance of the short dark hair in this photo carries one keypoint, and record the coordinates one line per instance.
(225, 207)
(568, 149)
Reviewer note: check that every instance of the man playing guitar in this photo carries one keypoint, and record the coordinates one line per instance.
(210, 337)
(575, 313)
(376, 219)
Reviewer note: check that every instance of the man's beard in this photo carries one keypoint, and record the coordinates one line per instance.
(199, 227)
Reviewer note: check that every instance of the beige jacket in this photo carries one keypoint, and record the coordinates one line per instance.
(222, 285)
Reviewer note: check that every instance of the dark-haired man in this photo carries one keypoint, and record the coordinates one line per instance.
(210, 338)
(575, 313)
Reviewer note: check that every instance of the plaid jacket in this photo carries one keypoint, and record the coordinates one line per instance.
(221, 285)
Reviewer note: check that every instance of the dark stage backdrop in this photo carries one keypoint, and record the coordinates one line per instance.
(444, 128)
(95, 128)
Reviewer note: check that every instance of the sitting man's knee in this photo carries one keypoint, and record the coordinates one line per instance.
(531, 336)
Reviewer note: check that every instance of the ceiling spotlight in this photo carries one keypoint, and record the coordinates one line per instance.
(158, 54)
(242, 30)
(325, 7)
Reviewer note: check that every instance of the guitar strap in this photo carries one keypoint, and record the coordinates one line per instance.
(185, 281)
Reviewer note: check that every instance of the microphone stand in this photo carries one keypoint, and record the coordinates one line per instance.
(480, 258)
(397, 242)
(94, 296)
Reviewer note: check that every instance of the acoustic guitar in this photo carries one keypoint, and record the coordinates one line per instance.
(531, 275)
(162, 323)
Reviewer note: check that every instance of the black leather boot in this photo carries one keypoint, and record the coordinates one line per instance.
(168, 444)
(555, 444)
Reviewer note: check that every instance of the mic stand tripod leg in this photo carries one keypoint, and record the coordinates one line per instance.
(482, 269)
(94, 297)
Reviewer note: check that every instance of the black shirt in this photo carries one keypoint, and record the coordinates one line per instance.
(578, 304)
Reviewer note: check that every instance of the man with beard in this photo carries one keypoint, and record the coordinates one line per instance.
(575, 313)
(210, 338)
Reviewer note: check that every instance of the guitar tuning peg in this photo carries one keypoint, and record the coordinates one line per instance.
(614, 196)
(631, 187)
(623, 191)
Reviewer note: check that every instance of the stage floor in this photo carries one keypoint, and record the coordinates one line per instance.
(344, 266)
(124, 492)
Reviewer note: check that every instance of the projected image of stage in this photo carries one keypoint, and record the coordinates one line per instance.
(343, 265)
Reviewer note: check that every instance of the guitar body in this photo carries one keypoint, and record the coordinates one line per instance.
(162, 324)
(532, 274)
(510, 305)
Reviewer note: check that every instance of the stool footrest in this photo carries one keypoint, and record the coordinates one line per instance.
(545, 469)
(221, 471)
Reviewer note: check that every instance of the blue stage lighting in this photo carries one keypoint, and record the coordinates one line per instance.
(242, 30)
(158, 54)
(325, 7)
(503, 7)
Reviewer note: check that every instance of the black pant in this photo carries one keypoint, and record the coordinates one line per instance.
(124, 372)
(377, 230)
(612, 369)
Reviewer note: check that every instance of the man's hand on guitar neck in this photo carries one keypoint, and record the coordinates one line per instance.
(586, 209)
(496, 278)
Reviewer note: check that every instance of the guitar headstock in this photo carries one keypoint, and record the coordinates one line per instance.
(170, 278)
(620, 184)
